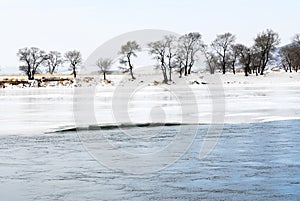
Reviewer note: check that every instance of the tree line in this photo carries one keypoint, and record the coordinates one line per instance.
(224, 54)
(33, 59)
(179, 55)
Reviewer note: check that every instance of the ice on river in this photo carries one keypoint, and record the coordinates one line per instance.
(34, 111)
(256, 157)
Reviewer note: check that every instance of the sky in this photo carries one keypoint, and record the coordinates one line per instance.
(85, 24)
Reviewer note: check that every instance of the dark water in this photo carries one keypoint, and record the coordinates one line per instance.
(251, 162)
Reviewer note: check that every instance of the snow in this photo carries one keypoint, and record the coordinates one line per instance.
(247, 100)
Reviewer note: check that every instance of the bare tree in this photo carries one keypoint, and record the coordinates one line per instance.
(127, 51)
(290, 57)
(222, 45)
(179, 62)
(32, 58)
(75, 59)
(189, 45)
(104, 65)
(286, 57)
(255, 62)
(296, 43)
(164, 51)
(265, 46)
(211, 59)
(54, 60)
(245, 57)
(170, 41)
(158, 49)
(233, 57)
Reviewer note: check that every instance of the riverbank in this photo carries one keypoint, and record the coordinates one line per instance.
(21, 81)
(33, 110)
(57, 81)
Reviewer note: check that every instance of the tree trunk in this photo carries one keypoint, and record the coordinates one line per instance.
(170, 74)
(52, 70)
(190, 69)
(246, 71)
(164, 72)
(263, 68)
(32, 75)
(186, 64)
(131, 73)
(224, 68)
(180, 72)
(104, 75)
(224, 63)
(130, 67)
(29, 75)
(165, 78)
(74, 72)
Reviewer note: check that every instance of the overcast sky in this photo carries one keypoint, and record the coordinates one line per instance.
(85, 24)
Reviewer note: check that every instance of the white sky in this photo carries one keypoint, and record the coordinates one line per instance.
(85, 24)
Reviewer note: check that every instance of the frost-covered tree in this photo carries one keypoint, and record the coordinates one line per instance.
(158, 50)
(164, 51)
(74, 59)
(128, 51)
(189, 45)
(210, 58)
(245, 57)
(31, 59)
(104, 65)
(171, 47)
(265, 45)
(222, 45)
(233, 57)
(290, 57)
(53, 61)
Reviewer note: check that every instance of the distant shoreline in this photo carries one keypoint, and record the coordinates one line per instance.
(68, 81)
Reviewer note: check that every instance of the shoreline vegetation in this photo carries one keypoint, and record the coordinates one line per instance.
(176, 58)
(20, 81)
(150, 79)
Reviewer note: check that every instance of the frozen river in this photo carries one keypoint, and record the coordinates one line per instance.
(256, 157)
(35, 111)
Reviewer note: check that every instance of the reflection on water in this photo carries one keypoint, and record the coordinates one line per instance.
(258, 161)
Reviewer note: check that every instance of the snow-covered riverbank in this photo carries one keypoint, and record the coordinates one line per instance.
(247, 99)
